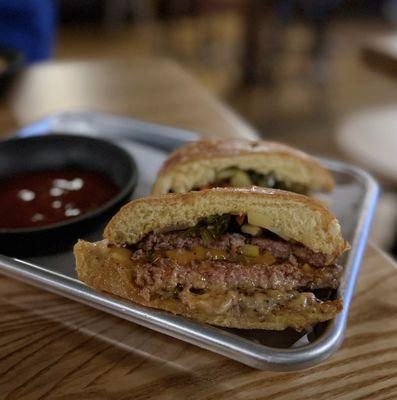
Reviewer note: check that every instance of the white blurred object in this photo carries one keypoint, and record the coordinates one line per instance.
(384, 226)
(370, 138)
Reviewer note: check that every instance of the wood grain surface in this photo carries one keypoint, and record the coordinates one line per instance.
(54, 348)
(157, 90)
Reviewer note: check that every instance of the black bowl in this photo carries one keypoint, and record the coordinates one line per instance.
(11, 63)
(54, 152)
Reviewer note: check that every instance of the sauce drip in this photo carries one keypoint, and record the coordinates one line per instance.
(46, 197)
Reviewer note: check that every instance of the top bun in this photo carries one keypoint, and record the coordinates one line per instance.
(196, 164)
(291, 216)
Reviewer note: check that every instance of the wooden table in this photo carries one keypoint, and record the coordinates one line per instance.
(157, 90)
(54, 348)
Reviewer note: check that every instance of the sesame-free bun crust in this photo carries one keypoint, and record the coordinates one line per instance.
(99, 270)
(289, 215)
(197, 164)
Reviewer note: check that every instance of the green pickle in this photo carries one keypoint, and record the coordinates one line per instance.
(226, 173)
(240, 179)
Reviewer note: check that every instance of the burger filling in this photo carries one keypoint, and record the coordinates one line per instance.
(234, 177)
(226, 266)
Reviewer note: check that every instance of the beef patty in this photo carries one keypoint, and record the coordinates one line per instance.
(230, 242)
(293, 266)
(167, 275)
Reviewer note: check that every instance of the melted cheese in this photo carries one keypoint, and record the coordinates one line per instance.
(184, 256)
(121, 256)
(210, 303)
(198, 253)
(265, 259)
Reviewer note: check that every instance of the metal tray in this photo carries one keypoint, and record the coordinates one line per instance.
(353, 201)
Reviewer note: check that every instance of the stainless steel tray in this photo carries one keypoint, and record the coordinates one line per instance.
(353, 201)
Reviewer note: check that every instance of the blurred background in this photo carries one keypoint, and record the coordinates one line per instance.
(317, 74)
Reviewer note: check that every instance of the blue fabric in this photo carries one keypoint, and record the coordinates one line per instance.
(29, 27)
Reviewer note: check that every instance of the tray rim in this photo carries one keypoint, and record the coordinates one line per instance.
(208, 337)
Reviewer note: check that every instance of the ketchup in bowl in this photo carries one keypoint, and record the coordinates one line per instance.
(56, 189)
(42, 198)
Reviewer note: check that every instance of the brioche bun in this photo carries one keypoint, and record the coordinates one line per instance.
(197, 164)
(291, 216)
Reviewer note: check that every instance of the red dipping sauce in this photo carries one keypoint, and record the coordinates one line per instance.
(47, 197)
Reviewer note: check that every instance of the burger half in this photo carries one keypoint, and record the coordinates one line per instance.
(241, 163)
(242, 258)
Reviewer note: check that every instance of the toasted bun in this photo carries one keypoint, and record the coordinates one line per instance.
(196, 164)
(99, 270)
(291, 216)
